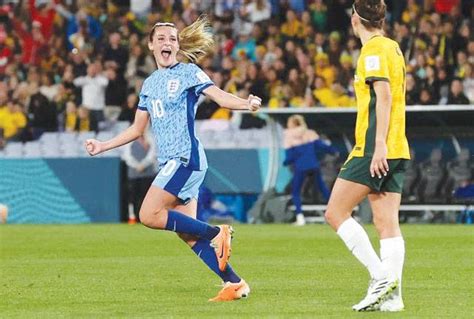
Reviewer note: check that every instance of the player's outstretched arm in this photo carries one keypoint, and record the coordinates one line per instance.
(231, 101)
(95, 147)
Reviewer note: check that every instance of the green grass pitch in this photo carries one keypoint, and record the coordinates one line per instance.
(122, 271)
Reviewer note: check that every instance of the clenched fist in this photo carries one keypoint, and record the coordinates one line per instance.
(254, 103)
(93, 147)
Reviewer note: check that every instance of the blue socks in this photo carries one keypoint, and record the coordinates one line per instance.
(180, 223)
(203, 250)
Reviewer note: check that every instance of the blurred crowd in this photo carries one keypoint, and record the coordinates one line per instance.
(76, 65)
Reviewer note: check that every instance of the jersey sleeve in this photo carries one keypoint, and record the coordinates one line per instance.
(376, 66)
(143, 102)
(199, 80)
(143, 98)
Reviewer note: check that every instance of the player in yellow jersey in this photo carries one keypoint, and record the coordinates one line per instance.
(375, 168)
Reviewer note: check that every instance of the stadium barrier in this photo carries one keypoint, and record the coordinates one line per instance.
(66, 191)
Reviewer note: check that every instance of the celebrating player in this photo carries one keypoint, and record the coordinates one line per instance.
(168, 98)
(376, 166)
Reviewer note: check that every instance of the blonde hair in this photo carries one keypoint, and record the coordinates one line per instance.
(196, 40)
(298, 120)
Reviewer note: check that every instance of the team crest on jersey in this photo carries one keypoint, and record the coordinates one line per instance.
(173, 87)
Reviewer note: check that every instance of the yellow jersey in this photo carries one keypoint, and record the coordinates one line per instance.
(380, 60)
(11, 122)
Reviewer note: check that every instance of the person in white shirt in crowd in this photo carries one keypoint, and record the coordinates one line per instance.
(93, 90)
(141, 8)
(256, 11)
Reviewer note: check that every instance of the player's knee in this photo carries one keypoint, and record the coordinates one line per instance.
(153, 219)
(335, 218)
(386, 228)
(330, 217)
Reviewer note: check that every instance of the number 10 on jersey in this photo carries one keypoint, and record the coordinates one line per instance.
(157, 108)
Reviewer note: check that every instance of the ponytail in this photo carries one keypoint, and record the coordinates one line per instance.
(196, 40)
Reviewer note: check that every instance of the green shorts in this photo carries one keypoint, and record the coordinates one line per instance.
(357, 170)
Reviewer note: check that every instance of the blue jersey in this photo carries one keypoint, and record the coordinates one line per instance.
(169, 95)
(304, 156)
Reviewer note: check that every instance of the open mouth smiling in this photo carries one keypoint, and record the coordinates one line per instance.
(165, 53)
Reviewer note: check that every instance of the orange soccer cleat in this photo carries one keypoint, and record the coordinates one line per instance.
(232, 291)
(222, 245)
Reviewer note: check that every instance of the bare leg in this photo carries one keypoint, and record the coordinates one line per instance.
(154, 210)
(344, 197)
(385, 208)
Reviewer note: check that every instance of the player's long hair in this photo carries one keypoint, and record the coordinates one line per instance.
(196, 40)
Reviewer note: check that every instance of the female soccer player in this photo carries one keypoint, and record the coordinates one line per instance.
(376, 166)
(168, 98)
(301, 146)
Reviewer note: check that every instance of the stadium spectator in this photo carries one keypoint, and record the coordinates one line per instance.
(324, 69)
(319, 18)
(81, 40)
(412, 92)
(84, 121)
(5, 49)
(442, 85)
(115, 54)
(456, 94)
(129, 109)
(73, 21)
(256, 11)
(245, 48)
(425, 97)
(70, 115)
(93, 90)
(12, 121)
(48, 88)
(43, 12)
(33, 44)
(139, 65)
(468, 83)
(140, 159)
(141, 8)
(42, 113)
(345, 74)
(292, 28)
(115, 92)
